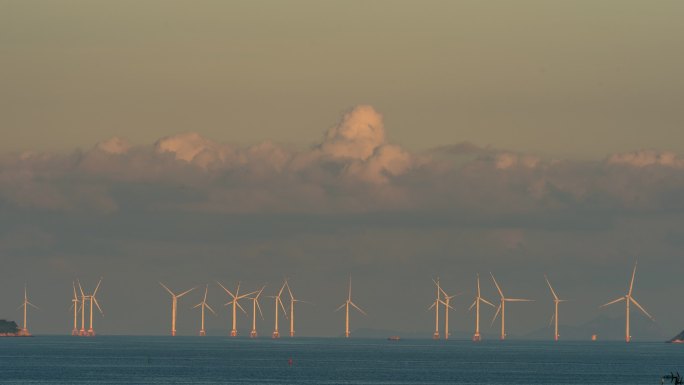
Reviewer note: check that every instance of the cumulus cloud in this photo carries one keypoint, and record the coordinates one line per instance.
(354, 168)
(360, 132)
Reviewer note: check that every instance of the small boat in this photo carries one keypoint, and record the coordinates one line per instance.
(393, 338)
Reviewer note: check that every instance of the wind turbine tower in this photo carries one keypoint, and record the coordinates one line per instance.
(255, 306)
(556, 301)
(502, 307)
(278, 305)
(435, 304)
(174, 305)
(446, 302)
(82, 331)
(346, 306)
(628, 298)
(91, 331)
(24, 330)
(476, 304)
(292, 302)
(236, 304)
(75, 304)
(204, 305)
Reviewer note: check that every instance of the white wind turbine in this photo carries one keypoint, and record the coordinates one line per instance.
(204, 305)
(628, 298)
(255, 306)
(174, 305)
(346, 305)
(236, 304)
(476, 304)
(556, 301)
(292, 302)
(278, 305)
(446, 302)
(24, 330)
(435, 304)
(75, 304)
(92, 299)
(502, 307)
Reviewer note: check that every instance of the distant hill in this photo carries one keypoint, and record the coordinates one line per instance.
(679, 338)
(8, 327)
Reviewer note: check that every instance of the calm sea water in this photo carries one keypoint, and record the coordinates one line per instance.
(220, 360)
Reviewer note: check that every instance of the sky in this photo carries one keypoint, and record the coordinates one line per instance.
(393, 141)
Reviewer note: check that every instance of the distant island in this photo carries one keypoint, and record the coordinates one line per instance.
(678, 339)
(9, 329)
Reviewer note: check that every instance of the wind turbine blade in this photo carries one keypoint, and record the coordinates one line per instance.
(498, 309)
(259, 308)
(282, 288)
(289, 291)
(478, 284)
(357, 308)
(280, 302)
(634, 301)
(81, 289)
(98, 305)
(167, 289)
(433, 305)
(240, 307)
(349, 298)
(97, 287)
(246, 295)
(487, 302)
(549, 283)
(33, 305)
(472, 306)
(198, 305)
(226, 290)
(206, 290)
(497, 285)
(210, 309)
(612, 302)
(631, 283)
(73, 285)
(185, 292)
(341, 306)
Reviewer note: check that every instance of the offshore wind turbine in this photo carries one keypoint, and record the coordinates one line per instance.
(92, 299)
(75, 303)
(278, 305)
(346, 305)
(255, 306)
(292, 302)
(628, 298)
(502, 307)
(556, 301)
(204, 305)
(476, 304)
(174, 305)
(447, 306)
(91, 331)
(435, 304)
(236, 304)
(82, 331)
(24, 330)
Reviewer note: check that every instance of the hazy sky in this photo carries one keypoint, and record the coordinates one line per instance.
(395, 141)
(572, 78)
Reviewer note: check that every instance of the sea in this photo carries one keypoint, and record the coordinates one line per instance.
(223, 360)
